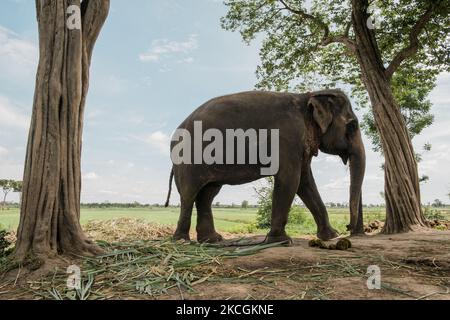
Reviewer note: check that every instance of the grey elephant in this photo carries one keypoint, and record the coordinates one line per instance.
(305, 124)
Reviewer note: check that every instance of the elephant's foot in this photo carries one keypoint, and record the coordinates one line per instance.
(181, 236)
(212, 237)
(274, 238)
(327, 234)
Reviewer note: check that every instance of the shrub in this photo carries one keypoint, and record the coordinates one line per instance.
(4, 243)
(246, 228)
(432, 214)
(297, 215)
(264, 195)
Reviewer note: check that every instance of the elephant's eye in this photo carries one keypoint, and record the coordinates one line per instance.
(352, 126)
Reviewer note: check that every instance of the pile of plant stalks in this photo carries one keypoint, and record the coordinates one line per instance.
(123, 229)
(440, 224)
(151, 268)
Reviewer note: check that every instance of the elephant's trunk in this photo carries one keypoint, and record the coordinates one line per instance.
(357, 170)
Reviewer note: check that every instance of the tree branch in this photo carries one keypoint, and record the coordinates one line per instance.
(349, 43)
(94, 14)
(308, 16)
(347, 28)
(327, 39)
(413, 46)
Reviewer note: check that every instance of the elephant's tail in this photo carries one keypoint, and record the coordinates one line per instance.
(170, 189)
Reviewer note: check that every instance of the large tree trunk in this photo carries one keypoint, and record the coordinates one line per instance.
(402, 192)
(50, 210)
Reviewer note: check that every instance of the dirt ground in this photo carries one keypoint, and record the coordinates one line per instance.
(413, 266)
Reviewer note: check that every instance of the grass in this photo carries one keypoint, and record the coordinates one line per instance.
(231, 220)
(225, 219)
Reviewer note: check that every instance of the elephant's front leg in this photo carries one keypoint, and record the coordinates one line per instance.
(359, 230)
(310, 196)
(205, 222)
(284, 191)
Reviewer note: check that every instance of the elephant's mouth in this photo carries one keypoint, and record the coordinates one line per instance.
(344, 157)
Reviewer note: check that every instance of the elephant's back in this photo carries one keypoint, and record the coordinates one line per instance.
(251, 109)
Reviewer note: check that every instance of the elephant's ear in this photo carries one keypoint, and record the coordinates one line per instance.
(321, 113)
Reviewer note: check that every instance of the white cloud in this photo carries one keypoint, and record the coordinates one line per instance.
(136, 119)
(160, 141)
(440, 93)
(18, 57)
(157, 140)
(90, 176)
(3, 151)
(94, 114)
(110, 84)
(187, 60)
(164, 48)
(10, 116)
(342, 183)
(432, 161)
(147, 81)
(11, 169)
(108, 192)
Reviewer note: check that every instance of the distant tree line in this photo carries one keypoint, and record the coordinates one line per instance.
(108, 204)
(8, 186)
(244, 205)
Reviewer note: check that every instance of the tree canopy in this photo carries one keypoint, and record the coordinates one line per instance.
(307, 46)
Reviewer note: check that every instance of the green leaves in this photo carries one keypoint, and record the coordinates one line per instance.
(294, 57)
(297, 215)
(4, 242)
(264, 195)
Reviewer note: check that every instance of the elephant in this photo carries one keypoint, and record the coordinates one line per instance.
(306, 123)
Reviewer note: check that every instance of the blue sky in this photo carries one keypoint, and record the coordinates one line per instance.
(154, 63)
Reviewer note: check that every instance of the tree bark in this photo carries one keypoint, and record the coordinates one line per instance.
(50, 209)
(402, 192)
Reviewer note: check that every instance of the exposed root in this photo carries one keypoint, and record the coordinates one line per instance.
(84, 248)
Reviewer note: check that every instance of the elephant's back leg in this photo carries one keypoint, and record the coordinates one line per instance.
(188, 185)
(206, 231)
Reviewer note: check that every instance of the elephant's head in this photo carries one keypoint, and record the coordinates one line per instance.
(340, 135)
